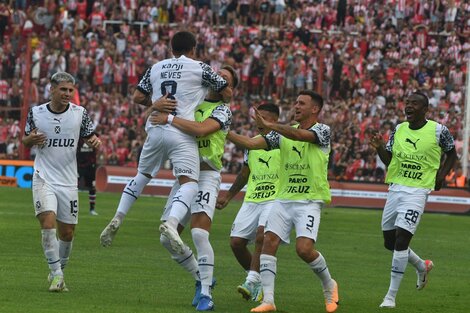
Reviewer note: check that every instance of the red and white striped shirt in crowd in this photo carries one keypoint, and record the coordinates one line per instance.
(421, 39)
(4, 89)
(456, 77)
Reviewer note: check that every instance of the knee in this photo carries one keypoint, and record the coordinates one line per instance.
(305, 252)
(66, 235)
(389, 244)
(237, 243)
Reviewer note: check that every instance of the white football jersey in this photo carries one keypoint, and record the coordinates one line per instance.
(184, 79)
(56, 160)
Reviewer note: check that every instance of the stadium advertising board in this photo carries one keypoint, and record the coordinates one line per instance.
(19, 170)
(344, 194)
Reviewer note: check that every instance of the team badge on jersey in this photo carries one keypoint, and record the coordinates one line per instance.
(57, 129)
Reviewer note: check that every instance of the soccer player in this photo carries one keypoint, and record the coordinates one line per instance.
(184, 82)
(413, 156)
(55, 128)
(303, 190)
(86, 162)
(260, 171)
(213, 119)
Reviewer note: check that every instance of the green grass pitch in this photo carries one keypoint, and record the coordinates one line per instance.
(136, 274)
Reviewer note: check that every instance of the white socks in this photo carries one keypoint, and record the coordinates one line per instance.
(187, 260)
(416, 261)
(268, 268)
(205, 255)
(253, 277)
(65, 247)
(181, 204)
(399, 262)
(320, 268)
(130, 193)
(50, 245)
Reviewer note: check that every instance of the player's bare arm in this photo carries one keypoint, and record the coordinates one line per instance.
(450, 159)
(286, 130)
(193, 128)
(376, 141)
(93, 141)
(240, 182)
(247, 142)
(141, 98)
(34, 139)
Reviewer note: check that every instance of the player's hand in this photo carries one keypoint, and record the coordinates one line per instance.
(93, 142)
(164, 104)
(376, 140)
(222, 202)
(34, 138)
(260, 121)
(157, 118)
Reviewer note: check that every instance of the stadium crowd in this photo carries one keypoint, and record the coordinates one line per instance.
(364, 56)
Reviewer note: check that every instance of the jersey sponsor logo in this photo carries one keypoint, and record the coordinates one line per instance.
(294, 148)
(60, 143)
(410, 174)
(295, 166)
(408, 140)
(172, 66)
(265, 177)
(415, 157)
(298, 183)
(264, 161)
(263, 191)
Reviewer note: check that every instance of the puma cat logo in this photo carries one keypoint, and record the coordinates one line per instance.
(265, 162)
(408, 140)
(294, 148)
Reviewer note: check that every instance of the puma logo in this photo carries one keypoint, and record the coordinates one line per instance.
(294, 148)
(408, 140)
(56, 119)
(265, 162)
(202, 112)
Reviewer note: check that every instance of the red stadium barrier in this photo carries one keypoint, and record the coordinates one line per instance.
(345, 194)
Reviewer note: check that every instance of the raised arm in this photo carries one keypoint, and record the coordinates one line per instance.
(247, 142)
(216, 82)
(143, 93)
(376, 141)
(240, 182)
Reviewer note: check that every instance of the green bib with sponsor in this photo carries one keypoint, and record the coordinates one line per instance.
(416, 156)
(264, 175)
(211, 147)
(304, 171)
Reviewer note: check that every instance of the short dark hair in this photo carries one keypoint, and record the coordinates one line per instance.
(269, 107)
(183, 42)
(423, 96)
(233, 73)
(316, 97)
(61, 77)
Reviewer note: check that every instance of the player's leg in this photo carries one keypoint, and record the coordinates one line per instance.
(184, 155)
(409, 208)
(202, 213)
(90, 182)
(278, 228)
(187, 260)
(152, 156)
(45, 204)
(307, 223)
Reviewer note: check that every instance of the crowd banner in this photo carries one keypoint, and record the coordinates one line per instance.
(344, 194)
(20, 170)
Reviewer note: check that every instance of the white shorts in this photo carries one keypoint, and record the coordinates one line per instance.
(63, 201)
(403, 210)
(169, 202)
(304, 216)
(250, 216)
(206, 198)
(162, 144)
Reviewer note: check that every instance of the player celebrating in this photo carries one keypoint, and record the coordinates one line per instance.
(186, 81)
(413, 156)
(213, 119)
(262, 167)
(303, 190)
(55, 127)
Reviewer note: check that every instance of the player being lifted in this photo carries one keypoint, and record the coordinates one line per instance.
(182, 81)
(55, 128)
(303, 190)
(260, 171)
(413, 156)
